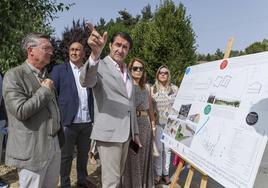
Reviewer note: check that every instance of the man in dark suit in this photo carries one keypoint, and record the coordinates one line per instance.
(34, 132)
(76, 107)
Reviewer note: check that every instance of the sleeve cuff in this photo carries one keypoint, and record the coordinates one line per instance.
(92, 62)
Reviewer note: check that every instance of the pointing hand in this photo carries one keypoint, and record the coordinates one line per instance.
(95, 41)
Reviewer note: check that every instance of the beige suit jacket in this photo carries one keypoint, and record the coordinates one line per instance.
(29, 119)
(115, 114)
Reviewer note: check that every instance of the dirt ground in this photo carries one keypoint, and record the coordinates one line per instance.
(10, 175)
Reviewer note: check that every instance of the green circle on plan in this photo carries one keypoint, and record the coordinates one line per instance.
(207, 109)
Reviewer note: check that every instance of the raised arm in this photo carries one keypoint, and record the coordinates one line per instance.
(88, 76)
(96, 42)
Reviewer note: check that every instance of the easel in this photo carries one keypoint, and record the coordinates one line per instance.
(203, 183)
(204, 178)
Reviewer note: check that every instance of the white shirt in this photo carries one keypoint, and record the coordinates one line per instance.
(82, 115)
(124, 74)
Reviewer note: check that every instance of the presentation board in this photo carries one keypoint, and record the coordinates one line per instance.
(219, 118)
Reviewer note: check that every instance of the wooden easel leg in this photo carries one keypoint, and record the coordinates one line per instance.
(189, 177)
(228, 48)
(177, 174)
(204, 181)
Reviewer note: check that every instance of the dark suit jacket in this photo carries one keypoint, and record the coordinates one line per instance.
(68, 100)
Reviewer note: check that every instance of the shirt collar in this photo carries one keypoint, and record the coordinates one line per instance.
(74, 67)
(37, 72)
(116, 64)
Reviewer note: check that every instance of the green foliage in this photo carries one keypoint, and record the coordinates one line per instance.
(124, 23)
(19, 18)
(163, 37)
(235, 53)
(217, 55)
(146, 13)
(257, 47)
(78, 32)
(166, 40)
(126, 18)
(146, 42)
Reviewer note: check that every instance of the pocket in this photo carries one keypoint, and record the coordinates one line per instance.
(21, 143)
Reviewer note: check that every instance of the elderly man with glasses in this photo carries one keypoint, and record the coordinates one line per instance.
(34, 133)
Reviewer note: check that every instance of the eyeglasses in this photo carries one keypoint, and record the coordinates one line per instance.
(46, 48)
(141, 69)
(163, 73)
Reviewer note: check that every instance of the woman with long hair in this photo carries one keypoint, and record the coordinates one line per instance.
(139, 166)
(163, 94)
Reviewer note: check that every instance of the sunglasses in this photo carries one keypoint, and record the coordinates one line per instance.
(141, 69)
(165, 73)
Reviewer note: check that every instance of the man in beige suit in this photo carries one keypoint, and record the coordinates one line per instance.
(34, 133)
(115, 115)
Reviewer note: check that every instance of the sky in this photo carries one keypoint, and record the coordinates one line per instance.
(213, 21)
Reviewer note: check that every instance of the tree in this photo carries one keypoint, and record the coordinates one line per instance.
(147, 13)
(125, 22)
(163, 37)
(201, 57)
(235, 53)
(77, 33)
(209, 58)
(168, 39)
(257, 47)
(21, 17)
(218, 54)
(146, 41)
(126, 18)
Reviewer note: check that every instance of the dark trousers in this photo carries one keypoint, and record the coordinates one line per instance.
(77, 134)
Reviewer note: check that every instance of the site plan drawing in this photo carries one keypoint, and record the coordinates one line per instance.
(219, 118)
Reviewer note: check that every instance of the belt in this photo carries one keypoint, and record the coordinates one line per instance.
(142, 113)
